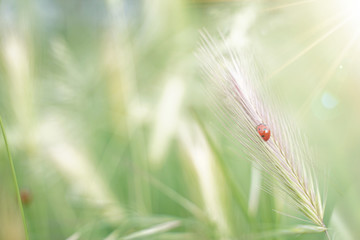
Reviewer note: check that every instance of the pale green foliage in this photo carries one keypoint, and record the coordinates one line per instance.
(110, 129)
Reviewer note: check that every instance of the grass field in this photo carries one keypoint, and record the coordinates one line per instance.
(112, 134)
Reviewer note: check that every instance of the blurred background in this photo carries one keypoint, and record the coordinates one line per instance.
(112, 136)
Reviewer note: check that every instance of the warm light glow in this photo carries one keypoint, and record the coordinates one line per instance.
(351, 8)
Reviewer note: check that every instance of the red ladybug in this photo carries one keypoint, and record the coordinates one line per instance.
(263, 131)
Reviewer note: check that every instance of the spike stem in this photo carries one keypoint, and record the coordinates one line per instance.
(14, 179)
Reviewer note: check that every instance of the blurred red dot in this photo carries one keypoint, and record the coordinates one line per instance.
(26, 196)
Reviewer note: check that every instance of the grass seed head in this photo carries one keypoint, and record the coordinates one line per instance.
(242, 102)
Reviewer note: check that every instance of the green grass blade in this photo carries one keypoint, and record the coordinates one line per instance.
(294, 231)
(15, 179)
(238, 193)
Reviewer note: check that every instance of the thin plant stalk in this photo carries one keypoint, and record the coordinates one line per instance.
(14, 179)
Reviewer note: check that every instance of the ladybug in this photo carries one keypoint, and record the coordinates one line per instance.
(263, 131)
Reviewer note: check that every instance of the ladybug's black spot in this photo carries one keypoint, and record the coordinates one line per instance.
(263, 135)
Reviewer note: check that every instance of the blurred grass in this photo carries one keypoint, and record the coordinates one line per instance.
(98, 98)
